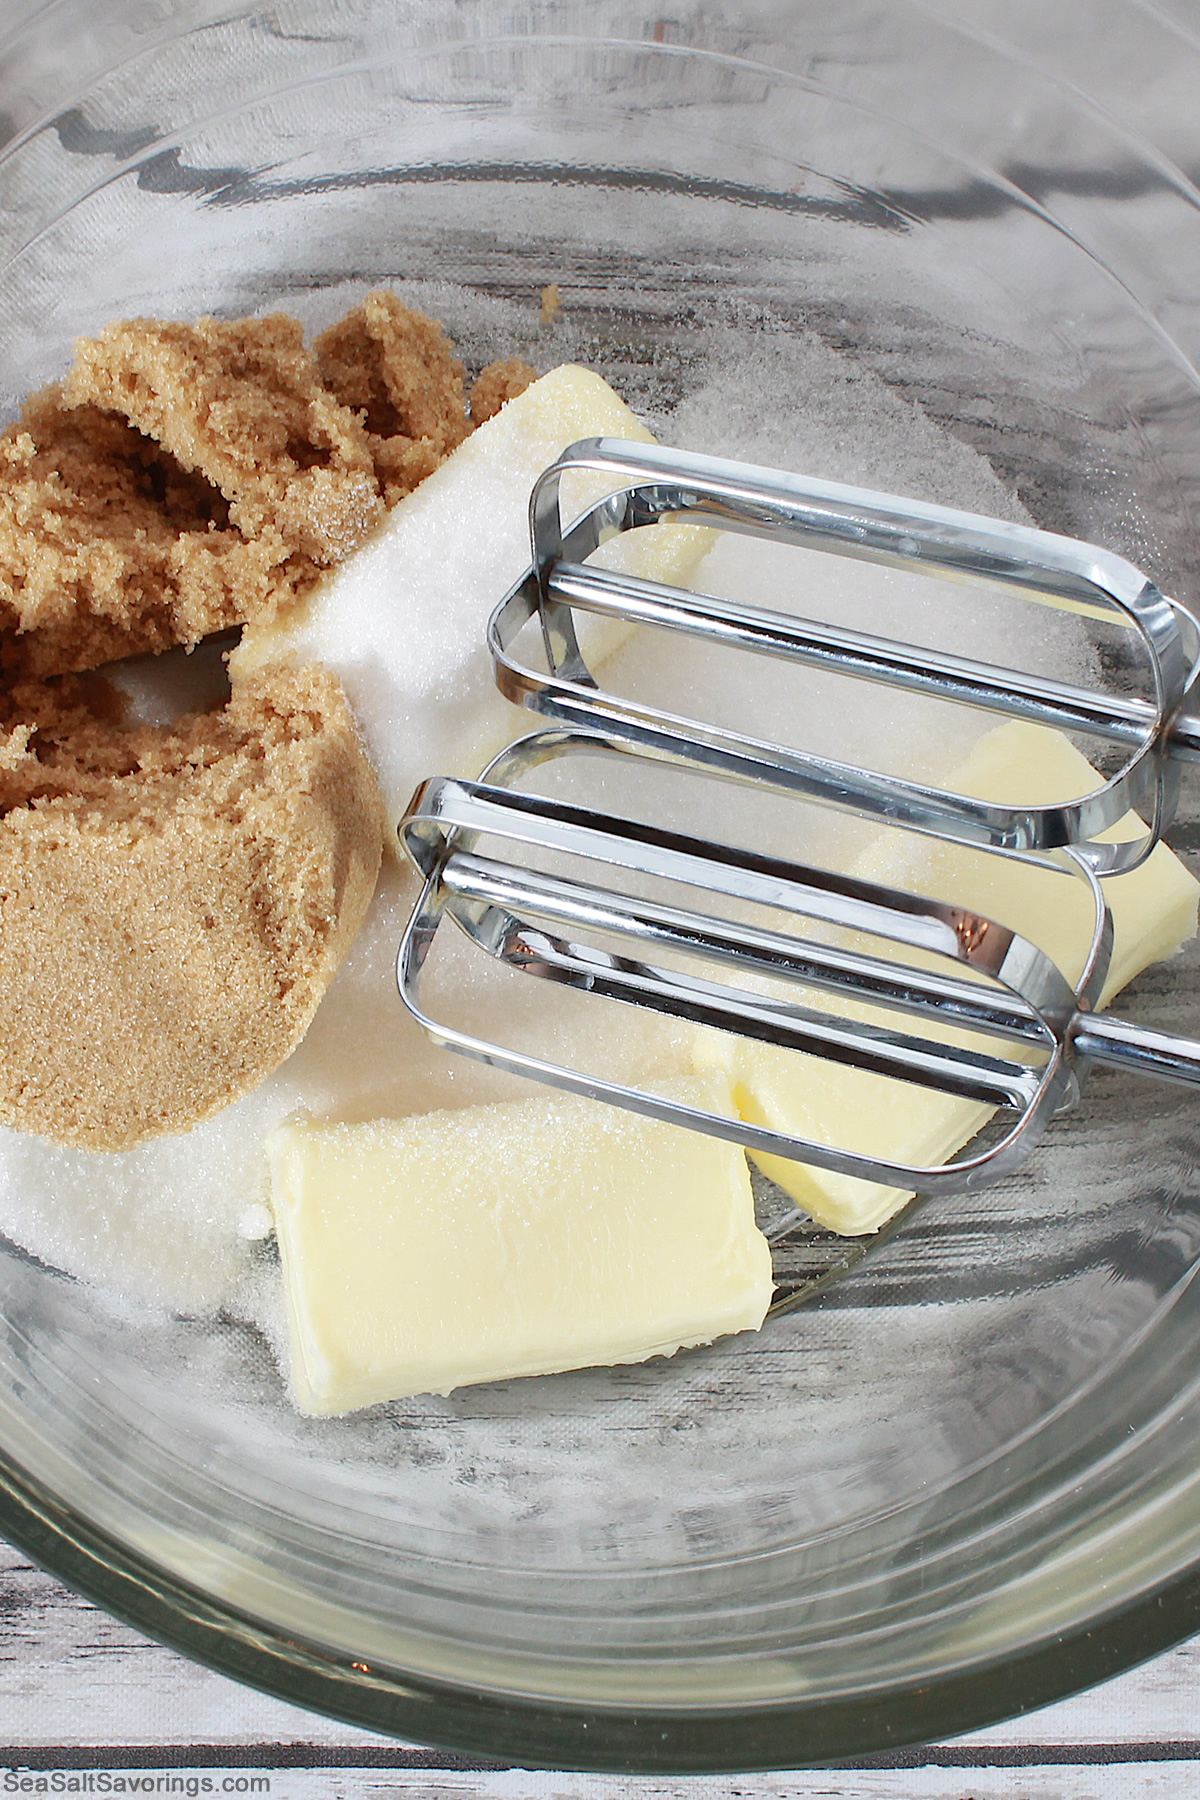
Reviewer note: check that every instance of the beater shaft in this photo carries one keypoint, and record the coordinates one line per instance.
(1139, 1049)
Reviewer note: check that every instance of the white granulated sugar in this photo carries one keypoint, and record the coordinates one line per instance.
(256, 1222)
(404, 620)
(787, 400)
(158, 689)
(174, 1221)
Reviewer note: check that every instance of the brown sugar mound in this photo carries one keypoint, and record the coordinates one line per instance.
(175, 900)
(496, 385)
(398, 371)
(174, 903)
(243, 405)
(107, 545)
(186, 479)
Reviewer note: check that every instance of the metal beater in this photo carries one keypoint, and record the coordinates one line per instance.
(1020, 1033)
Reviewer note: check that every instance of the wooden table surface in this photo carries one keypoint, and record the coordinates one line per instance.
(90, 1706)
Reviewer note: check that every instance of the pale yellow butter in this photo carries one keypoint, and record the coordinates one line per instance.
(424, 1254)
(1154, 912)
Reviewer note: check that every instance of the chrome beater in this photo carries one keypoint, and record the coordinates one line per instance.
(1002, 1024)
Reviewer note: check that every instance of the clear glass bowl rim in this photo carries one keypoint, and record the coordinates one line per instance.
(501, 1731)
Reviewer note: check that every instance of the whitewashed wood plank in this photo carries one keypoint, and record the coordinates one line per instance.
(1163, 1781)
(69, 1674)
(1160, 1700)
(1058, 1781)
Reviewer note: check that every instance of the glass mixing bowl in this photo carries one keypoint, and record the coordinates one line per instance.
(964, 1479)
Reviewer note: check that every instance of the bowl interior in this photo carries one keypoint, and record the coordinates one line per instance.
(766, 229)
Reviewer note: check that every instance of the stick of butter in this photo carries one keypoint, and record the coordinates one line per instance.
(402, 621)
(424, 1254)
(1154, 912)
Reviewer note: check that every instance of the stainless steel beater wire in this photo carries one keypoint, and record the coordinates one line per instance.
(968, 1074)
(1123, 719)
(1097, 1037)
(870, 979)
(446, 808)
(892, 913)
(657, 483)
(430, 849)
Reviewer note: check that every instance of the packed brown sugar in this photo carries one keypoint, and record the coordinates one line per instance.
(174, 901)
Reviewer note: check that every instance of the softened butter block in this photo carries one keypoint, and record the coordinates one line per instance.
(1154, 912)
(402, 621)
(424, 1254)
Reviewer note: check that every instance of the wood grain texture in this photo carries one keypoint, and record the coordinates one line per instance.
(71, 1675)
